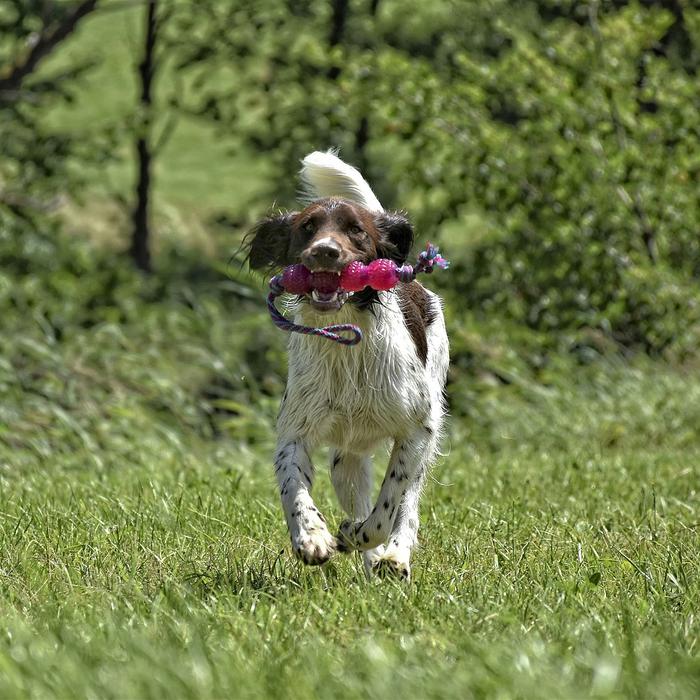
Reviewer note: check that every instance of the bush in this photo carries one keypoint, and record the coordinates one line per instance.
(570, 129)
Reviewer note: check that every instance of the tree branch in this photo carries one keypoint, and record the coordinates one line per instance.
(45, 45)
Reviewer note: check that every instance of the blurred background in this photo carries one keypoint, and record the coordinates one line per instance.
(549, 147)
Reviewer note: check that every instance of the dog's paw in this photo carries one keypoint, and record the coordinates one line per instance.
(314, 546)
(392, 566)
(370, 557)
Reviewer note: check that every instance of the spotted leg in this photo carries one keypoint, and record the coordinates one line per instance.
(351, 475)
(396, 558)
(311, 540)
(408, 463)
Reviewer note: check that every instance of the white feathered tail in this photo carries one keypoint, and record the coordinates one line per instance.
(325, 175)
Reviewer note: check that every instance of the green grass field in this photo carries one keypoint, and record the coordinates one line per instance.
(143, 552)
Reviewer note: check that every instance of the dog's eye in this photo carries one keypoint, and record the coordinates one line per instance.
(308, 227)
(355, 229)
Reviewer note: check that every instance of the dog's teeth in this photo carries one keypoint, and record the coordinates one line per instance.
(316, 296)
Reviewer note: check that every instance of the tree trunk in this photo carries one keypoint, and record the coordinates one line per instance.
(338, 19)
(140, 236)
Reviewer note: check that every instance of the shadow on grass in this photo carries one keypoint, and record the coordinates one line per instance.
(272, 576)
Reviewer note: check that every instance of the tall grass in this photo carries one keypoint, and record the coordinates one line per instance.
(143, 554)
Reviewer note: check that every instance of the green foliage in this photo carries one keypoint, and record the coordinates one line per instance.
(34, 169)
(559, 137)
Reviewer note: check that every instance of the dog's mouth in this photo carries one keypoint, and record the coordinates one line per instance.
(328, 299)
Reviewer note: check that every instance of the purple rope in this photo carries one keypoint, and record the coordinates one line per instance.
(330, 332)
(427, 260)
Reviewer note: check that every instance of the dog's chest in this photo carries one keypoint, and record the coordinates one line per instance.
(353, 397)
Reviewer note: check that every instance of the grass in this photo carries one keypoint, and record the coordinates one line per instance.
(142, 548)
(144, 554)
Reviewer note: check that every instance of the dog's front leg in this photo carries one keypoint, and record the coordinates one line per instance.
(409, 461)
(311, 540)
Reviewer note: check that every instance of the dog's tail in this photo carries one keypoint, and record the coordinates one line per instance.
(325, 175)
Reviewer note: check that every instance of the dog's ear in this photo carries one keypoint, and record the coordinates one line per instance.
(396, 236)
(268, 241)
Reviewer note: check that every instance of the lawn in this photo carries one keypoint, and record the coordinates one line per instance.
(144, 553)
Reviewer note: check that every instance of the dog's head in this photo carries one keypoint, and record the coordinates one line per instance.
(326, 236)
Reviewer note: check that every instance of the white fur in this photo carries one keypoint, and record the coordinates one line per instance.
(326, 175)
(354, 400)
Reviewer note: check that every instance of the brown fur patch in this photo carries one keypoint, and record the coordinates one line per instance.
(418, 312)
(288, 237)
(350, 226)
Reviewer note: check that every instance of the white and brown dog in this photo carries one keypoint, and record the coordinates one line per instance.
(352, 399)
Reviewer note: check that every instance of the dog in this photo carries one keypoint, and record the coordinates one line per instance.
(389, 387)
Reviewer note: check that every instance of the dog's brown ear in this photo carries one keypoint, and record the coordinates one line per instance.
(269, 239)
(397, 236)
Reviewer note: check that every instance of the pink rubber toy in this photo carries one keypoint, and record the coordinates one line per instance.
(355, 277)
(296, 279)
(382, 274)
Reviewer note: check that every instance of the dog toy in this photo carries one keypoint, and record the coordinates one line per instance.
(380, 275)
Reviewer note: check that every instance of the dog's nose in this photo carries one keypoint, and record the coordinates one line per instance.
(321, 254)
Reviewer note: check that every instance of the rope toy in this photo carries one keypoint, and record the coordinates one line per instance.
(380, 275)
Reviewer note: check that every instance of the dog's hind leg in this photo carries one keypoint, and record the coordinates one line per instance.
(311, 540)
(351, 476)
(397, 506)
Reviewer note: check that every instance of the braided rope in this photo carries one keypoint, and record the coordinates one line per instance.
(330, 332)
(427, 261)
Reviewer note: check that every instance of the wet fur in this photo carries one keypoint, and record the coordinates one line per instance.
(354, 400)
